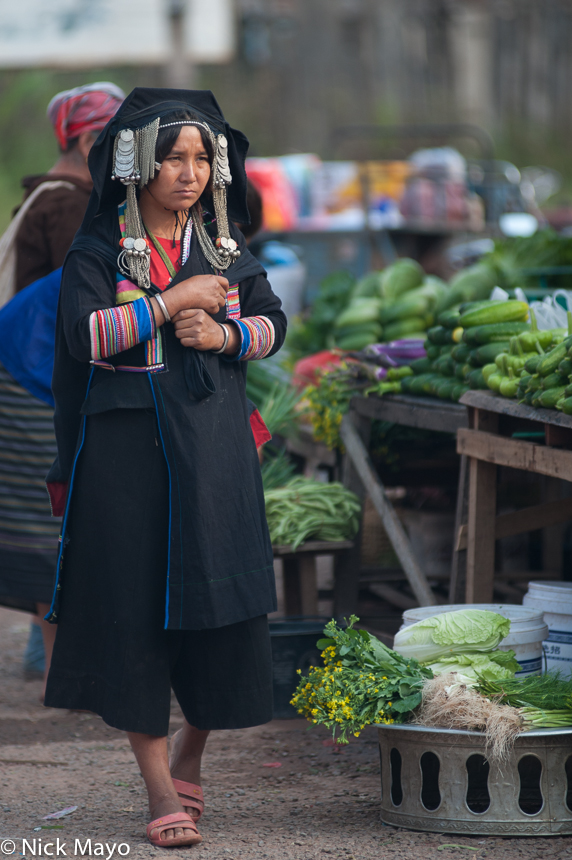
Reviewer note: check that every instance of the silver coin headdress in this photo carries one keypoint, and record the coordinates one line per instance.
(134, 164)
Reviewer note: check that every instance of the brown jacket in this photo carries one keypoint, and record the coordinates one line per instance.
(48, 228)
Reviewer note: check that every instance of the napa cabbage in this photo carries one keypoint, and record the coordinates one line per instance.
(493, 666)
(463, 631)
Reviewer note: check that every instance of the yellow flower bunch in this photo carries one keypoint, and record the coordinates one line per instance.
(361, 683)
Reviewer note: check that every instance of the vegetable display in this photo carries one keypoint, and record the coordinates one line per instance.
(362, 682)
(305, 510)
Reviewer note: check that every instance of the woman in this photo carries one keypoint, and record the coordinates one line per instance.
(28, 533)
(166, 572)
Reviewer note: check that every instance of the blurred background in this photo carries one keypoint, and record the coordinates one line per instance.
(294, 73)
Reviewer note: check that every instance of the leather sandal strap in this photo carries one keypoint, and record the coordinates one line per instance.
(170, 822)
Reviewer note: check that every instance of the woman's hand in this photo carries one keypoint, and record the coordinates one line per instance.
(202, 292)
(197, 329)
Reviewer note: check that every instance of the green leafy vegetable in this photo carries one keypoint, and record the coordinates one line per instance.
(497, 665)
(466, 630)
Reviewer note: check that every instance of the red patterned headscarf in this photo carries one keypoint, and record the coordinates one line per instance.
(87, 108)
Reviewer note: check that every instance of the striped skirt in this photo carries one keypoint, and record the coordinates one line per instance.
(28, 532)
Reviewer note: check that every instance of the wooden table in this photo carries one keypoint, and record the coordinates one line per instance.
(300, 576)
(487, 443)
(427, 413)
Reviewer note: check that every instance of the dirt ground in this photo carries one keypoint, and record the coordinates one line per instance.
(318, 804)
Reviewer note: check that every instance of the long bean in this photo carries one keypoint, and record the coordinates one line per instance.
(305, 509)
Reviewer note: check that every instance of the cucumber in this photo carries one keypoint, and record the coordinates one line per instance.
(531, 364)
(565, 367)
(477, 380)
(554, 380)
(458, 392)
(407, 384)
(549, 399)
(535, 383)
(440, 335)
(501, 331)
(552, 359)
(567, 406)
(461, 352)
(449, 319)
(405, 328)
(433, 351)
(446, 388)
(412, 304)
(459, 370)
(502, 312)
(471, 306)
(485, 354)
(444, 365)
(421, 365)
(356, 341)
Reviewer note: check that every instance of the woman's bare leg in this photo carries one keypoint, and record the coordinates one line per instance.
(49, 636)
(187, 747)
(151, 754)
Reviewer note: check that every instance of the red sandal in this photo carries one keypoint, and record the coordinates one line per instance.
(190, 795)
(171, 822)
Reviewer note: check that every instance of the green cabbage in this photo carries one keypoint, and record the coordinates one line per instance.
(466, 630)
(496, 666)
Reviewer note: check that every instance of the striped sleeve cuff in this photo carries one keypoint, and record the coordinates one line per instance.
(114, 330)
(257, 338)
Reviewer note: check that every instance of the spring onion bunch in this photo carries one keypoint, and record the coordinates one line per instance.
(544, 701)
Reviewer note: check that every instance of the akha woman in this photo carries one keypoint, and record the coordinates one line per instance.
(165, 574)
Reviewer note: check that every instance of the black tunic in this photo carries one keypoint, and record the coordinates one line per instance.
(220, 565)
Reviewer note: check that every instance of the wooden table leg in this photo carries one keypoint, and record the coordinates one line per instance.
(291, 578)
(481, 519)
(348, 562)
(552, 536)
(458, 562)
(308, 584)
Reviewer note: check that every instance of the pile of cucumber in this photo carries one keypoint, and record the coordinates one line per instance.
(537, 370)
(467, 339)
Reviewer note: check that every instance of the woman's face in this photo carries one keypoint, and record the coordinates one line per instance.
(184, 173)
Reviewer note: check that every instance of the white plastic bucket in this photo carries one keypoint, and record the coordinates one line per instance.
(528, 629)
(554, 600)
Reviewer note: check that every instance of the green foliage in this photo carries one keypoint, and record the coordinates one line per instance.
(362, 682)
(277, 468)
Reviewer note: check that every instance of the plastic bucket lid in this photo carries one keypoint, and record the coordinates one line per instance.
(550, 596)
(527, 624)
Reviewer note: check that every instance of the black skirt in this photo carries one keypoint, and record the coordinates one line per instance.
(112, 654)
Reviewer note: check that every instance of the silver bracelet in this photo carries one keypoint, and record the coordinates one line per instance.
(163, 307)
(226, 337)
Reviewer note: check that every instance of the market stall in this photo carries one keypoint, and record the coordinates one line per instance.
(489, 441)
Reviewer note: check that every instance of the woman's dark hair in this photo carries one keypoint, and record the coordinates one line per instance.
(167, 138)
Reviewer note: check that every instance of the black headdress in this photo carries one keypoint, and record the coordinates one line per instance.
(123, 158)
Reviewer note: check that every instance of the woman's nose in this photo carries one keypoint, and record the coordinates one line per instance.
(188, 173)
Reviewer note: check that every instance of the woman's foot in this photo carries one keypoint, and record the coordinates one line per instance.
(151, 754)
(182, 835)
(187, 747)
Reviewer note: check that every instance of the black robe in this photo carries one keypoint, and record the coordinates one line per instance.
(220, 566)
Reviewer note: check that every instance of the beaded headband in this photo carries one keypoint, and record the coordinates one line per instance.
(134, 164)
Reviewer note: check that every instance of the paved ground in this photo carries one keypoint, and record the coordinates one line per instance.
(318, 804)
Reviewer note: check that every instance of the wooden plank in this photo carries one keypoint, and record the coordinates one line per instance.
(357, 451)
(525, 520)
(320, 547)
(481, 517)
(308, 584)
(515, 453)
(489, 401)
(426, 413)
